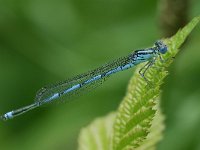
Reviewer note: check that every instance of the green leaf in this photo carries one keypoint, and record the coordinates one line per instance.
(155, 131)
(137, 110)
(97, 136)
(138, 123)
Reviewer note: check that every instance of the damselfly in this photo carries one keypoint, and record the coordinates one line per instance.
(77, 84)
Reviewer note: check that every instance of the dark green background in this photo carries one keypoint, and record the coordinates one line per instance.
(44, 41)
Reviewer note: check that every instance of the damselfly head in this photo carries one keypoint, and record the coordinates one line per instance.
(162, 48)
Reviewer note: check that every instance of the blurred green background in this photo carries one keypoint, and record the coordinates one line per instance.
(44, 41)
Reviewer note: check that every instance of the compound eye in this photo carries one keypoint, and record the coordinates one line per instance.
(163, 50)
